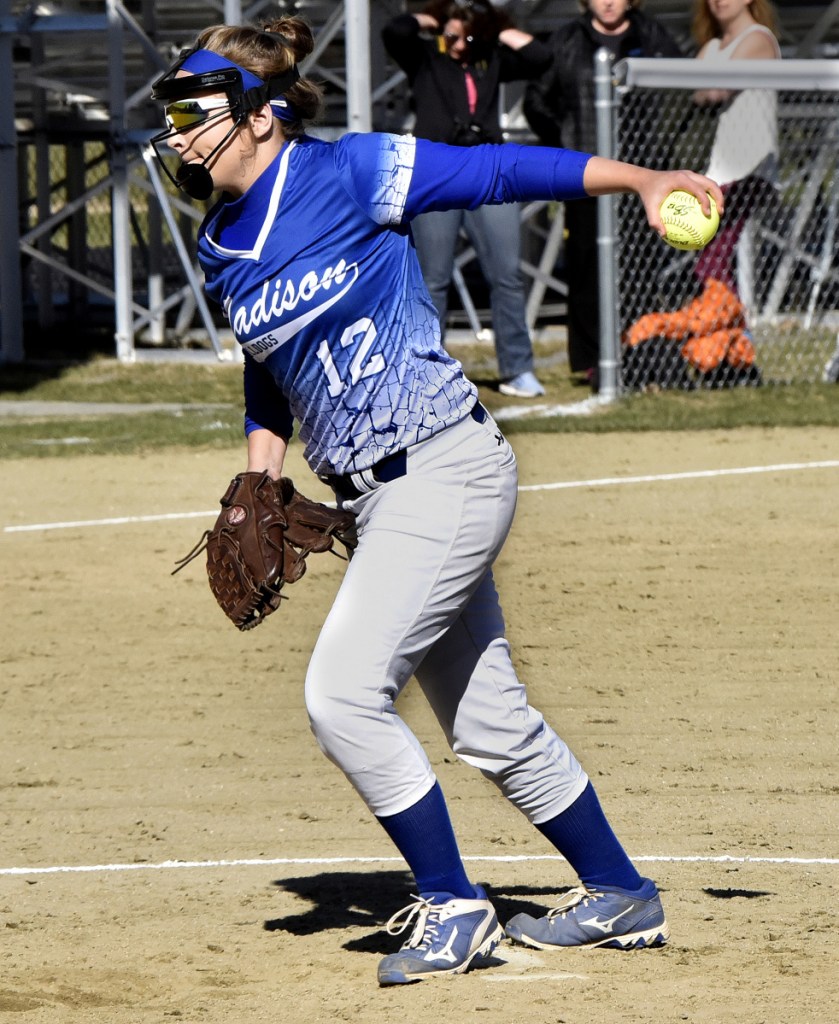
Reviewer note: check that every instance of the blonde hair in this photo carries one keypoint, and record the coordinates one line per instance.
(706, 27)
(268, 53)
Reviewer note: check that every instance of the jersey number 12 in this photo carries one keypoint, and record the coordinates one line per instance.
(361, 366)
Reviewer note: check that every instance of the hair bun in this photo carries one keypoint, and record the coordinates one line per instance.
(294, 34)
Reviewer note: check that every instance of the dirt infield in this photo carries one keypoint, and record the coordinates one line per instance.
(680, 633)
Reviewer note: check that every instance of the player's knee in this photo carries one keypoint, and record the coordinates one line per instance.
(336, 707)
(324, 706)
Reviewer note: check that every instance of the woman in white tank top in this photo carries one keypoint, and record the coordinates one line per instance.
(744, 154)
(746, 137)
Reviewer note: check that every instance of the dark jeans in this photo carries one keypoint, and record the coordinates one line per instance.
(719, 258)
(581, 275)
(495, 233)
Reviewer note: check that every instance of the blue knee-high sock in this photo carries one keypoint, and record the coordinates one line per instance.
(424, 836)
(585, 839)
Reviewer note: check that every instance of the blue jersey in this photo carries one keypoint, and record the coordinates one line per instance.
(316, 271)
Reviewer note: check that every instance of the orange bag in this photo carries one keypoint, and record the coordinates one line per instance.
(717, 307)
(711, 328)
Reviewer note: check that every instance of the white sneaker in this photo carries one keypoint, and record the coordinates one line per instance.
(446, 938)
(524, 385)
(830, 374)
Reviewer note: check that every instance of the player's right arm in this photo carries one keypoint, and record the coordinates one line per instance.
(604, 177)
(395, 178)
(447, 177)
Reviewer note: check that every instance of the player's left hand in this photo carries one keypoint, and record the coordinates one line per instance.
(263, 535)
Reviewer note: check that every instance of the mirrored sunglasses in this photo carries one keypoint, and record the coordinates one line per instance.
(184, 114)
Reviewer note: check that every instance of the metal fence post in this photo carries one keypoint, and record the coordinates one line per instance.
(604, 104)
(357, 39)
(232, 12)
(120, 201)
(11, 305)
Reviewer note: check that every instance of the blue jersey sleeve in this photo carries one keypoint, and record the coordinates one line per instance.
(393, 178)
(265, 405)
(375, 170)
(459, 177)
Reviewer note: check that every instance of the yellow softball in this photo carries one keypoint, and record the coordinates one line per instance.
(687, 226)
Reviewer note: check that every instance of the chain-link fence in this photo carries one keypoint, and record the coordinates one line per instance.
(57, 234)
(761, 303)
(66, 235)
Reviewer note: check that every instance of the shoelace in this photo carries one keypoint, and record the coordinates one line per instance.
(427, 916)
(573, 898)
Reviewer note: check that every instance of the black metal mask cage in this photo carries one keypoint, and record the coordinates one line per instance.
(195, 179)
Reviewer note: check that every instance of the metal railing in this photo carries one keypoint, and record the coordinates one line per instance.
(132, 237)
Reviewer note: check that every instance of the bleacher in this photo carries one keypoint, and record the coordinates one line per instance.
(67, 46)
(80, 74)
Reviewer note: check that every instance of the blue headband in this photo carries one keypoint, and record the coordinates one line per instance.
(201, 61)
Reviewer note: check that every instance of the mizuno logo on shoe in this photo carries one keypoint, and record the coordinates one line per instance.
(607, 925)
(446, 953)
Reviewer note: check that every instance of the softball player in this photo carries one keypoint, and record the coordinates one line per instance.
(309, 252)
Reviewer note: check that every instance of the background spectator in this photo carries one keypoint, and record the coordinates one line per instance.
(559, 107)
(455, 56)
(744, 154)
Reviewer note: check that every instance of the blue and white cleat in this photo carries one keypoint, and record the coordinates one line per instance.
(605, 918)
(446, 938)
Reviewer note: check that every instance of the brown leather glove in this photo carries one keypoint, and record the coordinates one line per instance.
(263, 535)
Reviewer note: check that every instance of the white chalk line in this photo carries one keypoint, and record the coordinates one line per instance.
(535, 977)
(115, 521)
(609, 481)
(169, 865)
(699, 474)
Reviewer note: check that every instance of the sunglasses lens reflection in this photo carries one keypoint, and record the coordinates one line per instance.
(184, 114)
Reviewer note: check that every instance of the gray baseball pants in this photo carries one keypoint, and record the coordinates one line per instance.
(418, 599)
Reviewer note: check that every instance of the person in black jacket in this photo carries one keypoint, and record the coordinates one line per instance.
(559, 108)
(455, 54)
